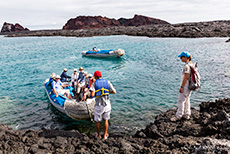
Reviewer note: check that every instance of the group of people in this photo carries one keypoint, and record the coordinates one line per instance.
(91, 86)
(100, 88)
(81, 82)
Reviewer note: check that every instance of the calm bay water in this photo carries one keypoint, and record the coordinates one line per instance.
(146, 78)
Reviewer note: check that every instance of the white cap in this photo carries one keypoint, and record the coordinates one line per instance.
(65, 69)
(75, 70)
(57, 77)
(85, 73)
(90, 75)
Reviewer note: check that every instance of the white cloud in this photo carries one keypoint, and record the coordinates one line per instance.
(53, 14)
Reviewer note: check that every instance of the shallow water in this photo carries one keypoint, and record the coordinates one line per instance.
(147, 77)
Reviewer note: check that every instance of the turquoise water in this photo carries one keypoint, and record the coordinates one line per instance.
(147, 77)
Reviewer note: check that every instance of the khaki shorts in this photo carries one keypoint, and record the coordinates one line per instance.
(102, 112)
(88, 93)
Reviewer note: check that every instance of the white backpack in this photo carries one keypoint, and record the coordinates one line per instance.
(194, 77)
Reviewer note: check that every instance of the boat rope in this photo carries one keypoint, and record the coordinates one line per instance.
(89, 112)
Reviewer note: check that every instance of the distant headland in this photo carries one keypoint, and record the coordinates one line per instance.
(87, 26)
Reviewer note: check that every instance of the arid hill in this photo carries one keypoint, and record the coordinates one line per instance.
(91, 22)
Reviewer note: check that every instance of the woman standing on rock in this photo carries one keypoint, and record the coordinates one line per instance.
(183, 110)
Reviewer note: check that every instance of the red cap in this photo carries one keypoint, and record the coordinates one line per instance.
(97, 73)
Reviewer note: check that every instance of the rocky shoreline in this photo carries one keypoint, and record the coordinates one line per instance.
(208, 131)
(185, 30)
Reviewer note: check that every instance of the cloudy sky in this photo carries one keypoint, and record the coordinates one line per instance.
(53, 14)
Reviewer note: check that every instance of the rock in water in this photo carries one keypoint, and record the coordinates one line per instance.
(8, 27)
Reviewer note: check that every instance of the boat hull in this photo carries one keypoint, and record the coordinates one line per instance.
(104, 53)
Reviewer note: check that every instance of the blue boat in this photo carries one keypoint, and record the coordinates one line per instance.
(104, 53)
(72, 108)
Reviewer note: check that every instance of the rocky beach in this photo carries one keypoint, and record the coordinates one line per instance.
(208, 131)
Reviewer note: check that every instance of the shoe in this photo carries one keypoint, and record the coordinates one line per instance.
(187, 117)
(106, 137)
(174, 119)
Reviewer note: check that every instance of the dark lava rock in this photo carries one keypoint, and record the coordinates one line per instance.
(8, 27)
(186, 30)
(139, 20)
(91, 22)
(208, 131)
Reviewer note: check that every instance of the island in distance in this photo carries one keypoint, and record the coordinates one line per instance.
(87, 26)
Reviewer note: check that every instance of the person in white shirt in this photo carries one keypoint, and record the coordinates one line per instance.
(74, 79)
(58, 88)
(183, 110)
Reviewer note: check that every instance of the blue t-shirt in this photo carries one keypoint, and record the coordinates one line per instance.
(64, 77)
(81, 77)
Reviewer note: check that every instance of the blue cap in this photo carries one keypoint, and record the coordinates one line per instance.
(184, 54)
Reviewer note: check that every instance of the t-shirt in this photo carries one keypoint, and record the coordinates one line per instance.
(74, 77)
(186, 69)
(56, 85)
(103, 100)
(81, 77)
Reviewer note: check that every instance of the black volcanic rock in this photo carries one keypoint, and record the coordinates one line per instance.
(8, 27)
(208, 131)
(139, 20)
(185, 30)
(124, 21)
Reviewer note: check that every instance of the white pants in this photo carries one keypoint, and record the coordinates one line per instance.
(63, 91)
(184, 103)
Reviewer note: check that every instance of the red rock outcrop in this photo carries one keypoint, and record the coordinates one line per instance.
(8, 27)
(139, 20)
(88, 22)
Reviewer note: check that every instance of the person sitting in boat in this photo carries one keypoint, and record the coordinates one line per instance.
(95, 49)
(52, 78)
(58, 88)
(64, 76)
(87, 93)
(80, 80)
(74, 79)
(86, 74)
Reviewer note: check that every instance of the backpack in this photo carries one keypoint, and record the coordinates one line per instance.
(194, 77)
